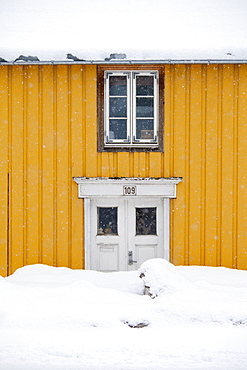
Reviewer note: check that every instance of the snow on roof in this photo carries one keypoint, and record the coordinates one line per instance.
(92, 30)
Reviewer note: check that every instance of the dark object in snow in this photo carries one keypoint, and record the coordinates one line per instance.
(137, 326)
(3, 60)
(74, 58)
(30, 58)
(116, 56)
(239, 322)
(146, 288)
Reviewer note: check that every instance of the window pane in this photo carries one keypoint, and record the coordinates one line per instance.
(145, 129)
(107, 220)
(145, 85)
(146, 221)
(144, 107)
(118, 107)
(118, 129)
(118, 85)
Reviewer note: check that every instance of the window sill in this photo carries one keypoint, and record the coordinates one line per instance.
(130, 148)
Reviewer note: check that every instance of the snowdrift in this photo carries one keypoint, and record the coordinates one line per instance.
(57, 318)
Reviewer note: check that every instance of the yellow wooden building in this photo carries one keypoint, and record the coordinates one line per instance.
(76, 185)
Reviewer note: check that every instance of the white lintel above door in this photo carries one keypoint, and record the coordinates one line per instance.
(111, 187)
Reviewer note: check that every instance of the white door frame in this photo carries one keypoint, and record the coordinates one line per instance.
(89, 188)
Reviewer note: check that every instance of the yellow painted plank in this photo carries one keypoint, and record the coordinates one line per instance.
(140, 164)
(242, 170)
(180, 206)
(135, 163)
(168, 123)
(17, 221)
(123, 164)
(63, 173)
(196, 166)
(32, 166)
(219, 167)
(143, 164)
(48, 166)
(115, 165)
(76, 230)
(132, 169)
(169, 147)
(4, 141)
(104, 160)
(107, 164)
(212, 165)
(155, 165)
(91, 121)
(111, 164)
(227, 166)
(187, 162)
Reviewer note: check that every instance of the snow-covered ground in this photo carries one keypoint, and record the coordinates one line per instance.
(57, 318)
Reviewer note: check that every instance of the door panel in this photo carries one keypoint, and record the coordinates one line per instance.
(145, 237)
(108, 257)
(145, 252)
(107, 235)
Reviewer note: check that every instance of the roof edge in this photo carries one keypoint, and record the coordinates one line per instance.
(130, 62)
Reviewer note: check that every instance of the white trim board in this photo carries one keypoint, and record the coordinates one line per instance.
(112, 187)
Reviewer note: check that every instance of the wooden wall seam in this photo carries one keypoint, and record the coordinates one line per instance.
(203, 164)
(187, 143)
(24, 170)
(219, 168)
(40, 167)
(55, 89)
(235, 168)
(10, 238)
(70, 167)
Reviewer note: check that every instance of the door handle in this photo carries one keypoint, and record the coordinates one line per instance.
(131, 261)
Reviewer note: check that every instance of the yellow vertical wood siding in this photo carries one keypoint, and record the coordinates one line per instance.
(48, 123)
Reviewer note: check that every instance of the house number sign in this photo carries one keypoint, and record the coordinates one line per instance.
(129, 190)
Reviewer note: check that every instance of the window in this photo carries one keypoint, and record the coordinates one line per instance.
(107, 220)
(146, 221)
(130, 111)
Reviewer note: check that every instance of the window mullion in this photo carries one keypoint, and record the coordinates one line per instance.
(129, 107)
(156, 102)
(107, 115)
(133, 100)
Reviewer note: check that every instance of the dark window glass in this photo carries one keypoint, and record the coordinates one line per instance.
(118, 129)
(145, 129)
(144, 107)
(107, 220)
(118, 85)
(145, 85)
(118, 107)
(146, 221)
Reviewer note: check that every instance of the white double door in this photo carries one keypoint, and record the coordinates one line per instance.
(126, 231)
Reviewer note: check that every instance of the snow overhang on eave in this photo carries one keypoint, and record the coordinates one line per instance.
(126, 61)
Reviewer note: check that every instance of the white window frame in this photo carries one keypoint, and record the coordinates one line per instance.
(131, 140)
